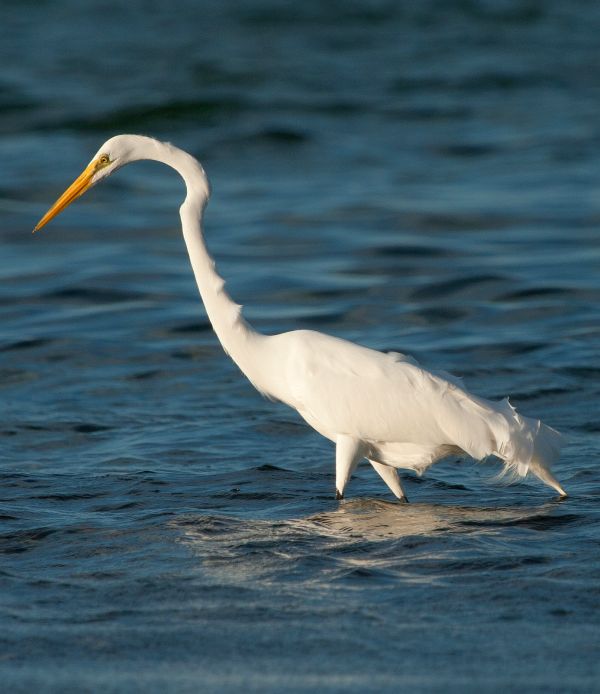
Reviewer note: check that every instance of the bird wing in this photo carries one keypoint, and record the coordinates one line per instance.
(343, 388)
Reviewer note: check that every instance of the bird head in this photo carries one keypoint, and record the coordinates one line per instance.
(113, 154)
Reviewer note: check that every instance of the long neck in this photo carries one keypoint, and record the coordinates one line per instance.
(239, 340)
(224, 314)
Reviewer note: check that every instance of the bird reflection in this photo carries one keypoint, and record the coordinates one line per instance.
(375, 519)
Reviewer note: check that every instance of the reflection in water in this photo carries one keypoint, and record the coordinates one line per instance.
(375, 519)
(414, 543)
(366, 519)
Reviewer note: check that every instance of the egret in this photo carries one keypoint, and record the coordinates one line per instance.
(382, 407)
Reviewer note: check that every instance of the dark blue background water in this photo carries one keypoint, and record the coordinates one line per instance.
(422, 177)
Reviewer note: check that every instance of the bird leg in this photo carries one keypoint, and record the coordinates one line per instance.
(348, 451)
(390, 476)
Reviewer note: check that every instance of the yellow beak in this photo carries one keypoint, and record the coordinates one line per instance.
(77, 188)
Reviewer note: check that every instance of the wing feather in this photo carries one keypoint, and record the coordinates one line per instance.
(343, 388)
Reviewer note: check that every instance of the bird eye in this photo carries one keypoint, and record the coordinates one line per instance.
(103, 160)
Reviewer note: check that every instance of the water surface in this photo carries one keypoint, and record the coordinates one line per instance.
(417, 179)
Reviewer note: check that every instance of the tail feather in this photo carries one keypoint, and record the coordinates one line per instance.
(547, 445)
(532, 447)
(523, 444)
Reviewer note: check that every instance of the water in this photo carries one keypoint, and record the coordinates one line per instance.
(424, 179)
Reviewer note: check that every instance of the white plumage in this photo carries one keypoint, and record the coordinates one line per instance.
(382, 407)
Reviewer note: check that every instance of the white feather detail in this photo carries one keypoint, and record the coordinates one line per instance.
(407, 416)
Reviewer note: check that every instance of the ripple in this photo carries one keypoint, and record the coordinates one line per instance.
(440, 315)
(458, 285)
(89, 428)
(468, 150)
(284, 137)
(26, 344)
(9, 377)
(23, 540)
(67, 497)
(540, 523)
(191, 328)
(93, 295)
(410, 251)
(546, 393)
(537, 292)
(136, 118)
(146, 375)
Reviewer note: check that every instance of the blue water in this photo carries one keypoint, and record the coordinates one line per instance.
(423, 177)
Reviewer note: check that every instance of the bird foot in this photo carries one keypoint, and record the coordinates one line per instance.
(338, 496)
(403, 500)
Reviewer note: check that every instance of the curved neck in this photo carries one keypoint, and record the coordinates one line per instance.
(237, 337)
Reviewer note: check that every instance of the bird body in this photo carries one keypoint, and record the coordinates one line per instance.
(380, 406)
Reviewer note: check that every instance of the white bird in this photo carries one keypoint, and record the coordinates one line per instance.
(382, 407)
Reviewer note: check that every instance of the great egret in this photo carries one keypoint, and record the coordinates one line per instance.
(382, 407)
